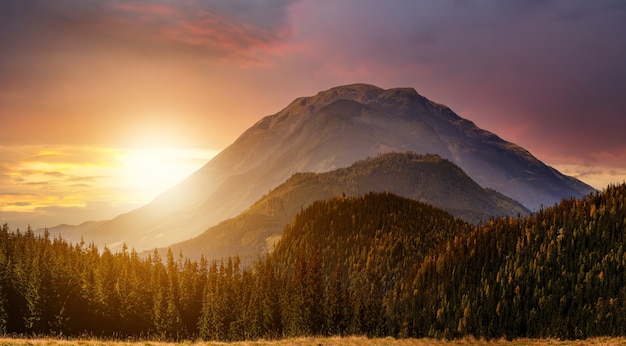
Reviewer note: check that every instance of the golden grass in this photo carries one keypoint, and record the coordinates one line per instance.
(313, 341)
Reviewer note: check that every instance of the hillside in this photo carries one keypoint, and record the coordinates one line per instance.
(557, 273)
(426, 178)
(376, 265)
(378, 234)
(560, 272)
(324, 132)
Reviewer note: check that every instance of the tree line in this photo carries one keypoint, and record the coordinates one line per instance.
(376, 265)
(557, 273)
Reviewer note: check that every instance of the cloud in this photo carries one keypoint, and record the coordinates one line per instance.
(49, 185)
(599, 177)
(50, 175)
(84, 179)
(79, 72)
(551, 68)
(208, 29)
(20, 204)
(54, 174)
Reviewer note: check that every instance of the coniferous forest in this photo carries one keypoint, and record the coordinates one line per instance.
(376, 265)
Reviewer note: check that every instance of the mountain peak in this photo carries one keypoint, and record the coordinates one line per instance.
(308, 135)
(364, 93)
(356, 92)
(330, 130)
(361, 88)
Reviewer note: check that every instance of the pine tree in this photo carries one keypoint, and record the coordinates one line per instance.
(158, 282)
(314, 285)
(191, 283)
(31, 282)
(4, 277)
(271, 288)
(173, 326)
(336, 305)
(209, 326)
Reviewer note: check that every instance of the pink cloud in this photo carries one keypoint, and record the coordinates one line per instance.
(202, 30)
(154, 9)
(241, 32)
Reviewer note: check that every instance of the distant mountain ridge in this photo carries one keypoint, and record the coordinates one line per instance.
(324, 132)
(426, 178)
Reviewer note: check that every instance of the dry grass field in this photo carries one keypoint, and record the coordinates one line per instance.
(312, 341)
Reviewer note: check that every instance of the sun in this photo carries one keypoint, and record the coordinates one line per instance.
(156, 154)
(147, 172)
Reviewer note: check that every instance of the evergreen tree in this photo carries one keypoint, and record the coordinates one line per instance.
(377, 264)
(171, 323)
(336, 305)
(271, 287)
(4, 277)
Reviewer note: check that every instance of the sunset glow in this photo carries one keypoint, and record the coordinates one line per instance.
(148, 172)
(103, 181)
(106, 104)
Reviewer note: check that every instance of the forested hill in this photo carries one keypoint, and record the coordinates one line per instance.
(378, 264)
(557, 273)
(427, 178)
(377, 234)
(560, 272)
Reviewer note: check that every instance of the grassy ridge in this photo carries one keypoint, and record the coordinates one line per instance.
(315, 341)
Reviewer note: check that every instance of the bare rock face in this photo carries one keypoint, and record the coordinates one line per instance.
(330, 130)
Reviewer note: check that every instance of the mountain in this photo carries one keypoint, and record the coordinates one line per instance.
(70, 232)
(426, 178)
(409, 270)
(327, 131)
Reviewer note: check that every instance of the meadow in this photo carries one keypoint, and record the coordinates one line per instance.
(316, 341)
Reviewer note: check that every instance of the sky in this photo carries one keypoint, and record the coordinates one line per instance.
(106, 104)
